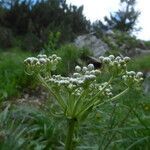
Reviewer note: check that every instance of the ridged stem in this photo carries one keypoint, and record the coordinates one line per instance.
(69, 138)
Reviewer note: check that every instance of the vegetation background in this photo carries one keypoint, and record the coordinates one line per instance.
(50, 26)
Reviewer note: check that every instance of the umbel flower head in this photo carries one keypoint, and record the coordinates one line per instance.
(115, 65)
(41, 63)
(81, 92)
(132, 78)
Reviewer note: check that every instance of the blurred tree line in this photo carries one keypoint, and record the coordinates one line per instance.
(32, 21)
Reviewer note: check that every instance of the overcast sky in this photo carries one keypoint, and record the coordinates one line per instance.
(97, 9)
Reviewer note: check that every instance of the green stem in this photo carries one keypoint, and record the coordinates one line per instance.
(71, 126)
(115, 97)
(110, 100)
(92, 101)
(57, 96)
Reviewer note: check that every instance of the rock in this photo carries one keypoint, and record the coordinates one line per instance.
(135, 51)
(145, 52)
(138, 51)
(142, 52)
(90, 41)
(146, 83)
(109, 32)
(142, 45)
(92, 60)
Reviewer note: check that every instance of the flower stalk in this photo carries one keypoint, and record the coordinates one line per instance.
(70, 133)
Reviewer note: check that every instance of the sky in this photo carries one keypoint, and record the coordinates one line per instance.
(97, 9)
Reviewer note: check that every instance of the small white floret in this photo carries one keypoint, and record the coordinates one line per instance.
(84, 69)
(77, 68)
(90, 67)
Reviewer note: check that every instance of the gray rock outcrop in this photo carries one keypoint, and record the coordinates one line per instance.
(90, 41)
(146, 83)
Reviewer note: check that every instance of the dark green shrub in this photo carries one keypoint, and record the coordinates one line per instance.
(31, 42)
(6, 37)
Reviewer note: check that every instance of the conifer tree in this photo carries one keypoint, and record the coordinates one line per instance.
(125, 18)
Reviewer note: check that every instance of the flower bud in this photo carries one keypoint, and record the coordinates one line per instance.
(50, 57)
(59, 58)
(84, 69)
(106, 60)
(139, 74)
(44, 56)
(131, 73)
(107, 90)
(88, 72)
(27, 61)
(112, 57)
(77, 68)
(89, 77)
(126, 59)
(124, 77)
(92, 72)
(115, 63)
(54, 56)
(141, 79)
(76, 75)
(42, 60)
(80, 82)
(122, 62)
(41, 56)
(90, 67)
(110, 94)
(101, 58)
(31, 60)
(118, 58)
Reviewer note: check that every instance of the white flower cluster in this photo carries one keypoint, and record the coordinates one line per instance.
(87, 71)
(105, 88)
(107, 91)
(132, 78)
(41, 61)
(82, 76)
(115, 64)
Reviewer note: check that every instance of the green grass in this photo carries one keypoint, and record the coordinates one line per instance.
(13, 79)
(12, 76)
(123, 125)
(71, 56)
(120, 126)
(140, 63)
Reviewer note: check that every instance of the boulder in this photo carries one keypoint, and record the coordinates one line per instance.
(90, 41)
(146, 83)
(110, 32)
